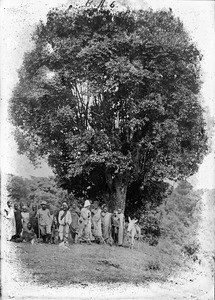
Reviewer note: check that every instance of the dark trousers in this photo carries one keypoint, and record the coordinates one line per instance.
(18, 228)
(115, 234)
(36, 229)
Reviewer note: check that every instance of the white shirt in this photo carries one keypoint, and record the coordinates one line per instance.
(66, 220)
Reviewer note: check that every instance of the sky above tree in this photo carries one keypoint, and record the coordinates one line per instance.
(19, 18)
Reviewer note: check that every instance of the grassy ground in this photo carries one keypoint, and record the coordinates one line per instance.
(99, 272)
(48, 264)
(46, 272)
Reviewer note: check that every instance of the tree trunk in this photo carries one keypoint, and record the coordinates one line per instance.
(118, 197)
(117, 192)
(121, 192)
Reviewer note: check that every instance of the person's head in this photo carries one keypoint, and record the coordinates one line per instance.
(105, 209)
(29, 225)
(34, 207)
(21, 205)
(16, 206)
(65, 206)
(24, 208)
(74, 205)
(43, 205)
(115, 213)
(87, 204)
(119, 210)
(9, 203)
(96, 204)
(51, 211)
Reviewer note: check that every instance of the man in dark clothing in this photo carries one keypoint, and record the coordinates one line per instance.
(28, 234)
(21, 206)
(115, 226)
(18, 220)
(75, 214)
(34, 220)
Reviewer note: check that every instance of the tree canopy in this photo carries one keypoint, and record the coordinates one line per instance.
(111, 99)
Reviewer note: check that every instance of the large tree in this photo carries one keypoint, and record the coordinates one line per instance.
(111, 98)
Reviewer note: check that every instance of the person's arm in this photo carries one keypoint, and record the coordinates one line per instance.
(6, 213)
(110, 224)
(22, 220)
(84, 215)
(59, 215)
(99, 215)
(78, 211)
(37, 215)
(10, 214)
(49, 217)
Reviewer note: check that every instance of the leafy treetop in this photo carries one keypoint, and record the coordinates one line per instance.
(116, 92)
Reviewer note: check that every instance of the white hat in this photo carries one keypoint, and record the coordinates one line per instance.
(87, 203)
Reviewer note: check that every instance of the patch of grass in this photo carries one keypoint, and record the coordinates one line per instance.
(83, 264)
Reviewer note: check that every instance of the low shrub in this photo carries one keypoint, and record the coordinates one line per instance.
(153, 265)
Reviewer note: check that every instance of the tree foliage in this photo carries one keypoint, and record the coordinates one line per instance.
(111, 99)
(17, 188)
(181, 214)
(176, 220)
(35, 190)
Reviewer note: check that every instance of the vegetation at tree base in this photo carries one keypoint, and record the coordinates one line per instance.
(181, 215)
(111, 100)
(176, 220)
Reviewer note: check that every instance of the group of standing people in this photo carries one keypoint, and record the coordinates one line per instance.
(20, 223)
(99, 225)
(88, 224)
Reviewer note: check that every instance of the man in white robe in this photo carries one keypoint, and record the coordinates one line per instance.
(64, 219)
(106, 226)
(84, 230)
(96, 221)
(10, 224)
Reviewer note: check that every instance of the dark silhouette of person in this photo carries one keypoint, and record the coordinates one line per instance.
(34, 219)
(18, 220)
